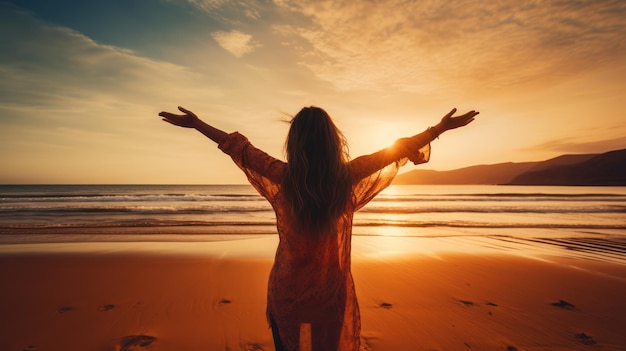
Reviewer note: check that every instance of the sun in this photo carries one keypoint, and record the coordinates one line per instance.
(383, 135)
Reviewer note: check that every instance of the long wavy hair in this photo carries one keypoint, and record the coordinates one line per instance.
(317, 183)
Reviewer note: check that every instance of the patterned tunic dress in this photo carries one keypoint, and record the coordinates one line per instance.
(311, 281)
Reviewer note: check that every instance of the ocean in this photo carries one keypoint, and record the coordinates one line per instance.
(400, 210)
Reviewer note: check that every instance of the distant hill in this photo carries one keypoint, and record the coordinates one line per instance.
(604, 169)
(585, 169)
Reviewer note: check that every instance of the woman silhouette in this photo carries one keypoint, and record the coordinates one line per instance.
(311, 300)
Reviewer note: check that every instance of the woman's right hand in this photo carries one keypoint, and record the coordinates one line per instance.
(187, 120)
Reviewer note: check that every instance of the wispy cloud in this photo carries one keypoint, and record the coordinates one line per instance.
(237, 43)
(64, 93)
(67, 100)
(230, 10)
(365, 44)
(60, 90)
(49, 65)
(571, 145)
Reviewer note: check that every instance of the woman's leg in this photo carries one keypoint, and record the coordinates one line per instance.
(278, 344)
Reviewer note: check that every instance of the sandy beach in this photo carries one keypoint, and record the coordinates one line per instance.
(414, 294)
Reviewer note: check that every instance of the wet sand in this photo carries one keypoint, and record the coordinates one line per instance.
(414, 294)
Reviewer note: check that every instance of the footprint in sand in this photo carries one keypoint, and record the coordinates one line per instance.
(564, 305)
(30, 348)
(106, 307)
(585, 339)
(385, 305)
(64, 309)
(132, 342)
(467, 303)
(491, 304)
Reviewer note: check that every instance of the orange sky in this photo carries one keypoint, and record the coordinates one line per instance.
(81, 85)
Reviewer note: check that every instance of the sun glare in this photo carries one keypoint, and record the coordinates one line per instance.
(383, 135)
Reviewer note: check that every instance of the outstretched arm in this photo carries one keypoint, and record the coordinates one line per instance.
(409, 147)
(189, 120)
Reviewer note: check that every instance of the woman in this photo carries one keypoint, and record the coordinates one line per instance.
(311, 301)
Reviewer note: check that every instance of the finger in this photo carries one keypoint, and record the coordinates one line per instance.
(182, 109)
(169, 115)
(468, 121)
(450, 113)
(469, 114)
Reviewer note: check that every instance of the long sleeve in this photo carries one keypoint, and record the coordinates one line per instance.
(263, 171)
(373, 173)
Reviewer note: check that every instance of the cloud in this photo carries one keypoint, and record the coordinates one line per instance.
(230, 10)
(431, 44)
(571, 145)
(237, 43)
(58, 68)
(67, 99)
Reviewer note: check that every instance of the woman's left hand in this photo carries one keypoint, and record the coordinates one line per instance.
(452, 122)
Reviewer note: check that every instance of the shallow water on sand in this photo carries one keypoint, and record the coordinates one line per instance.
(589, 220)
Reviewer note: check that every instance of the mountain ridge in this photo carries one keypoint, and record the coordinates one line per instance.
(607, 168)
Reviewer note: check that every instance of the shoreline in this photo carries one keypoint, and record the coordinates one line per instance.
(604, 246)
(414, 294)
